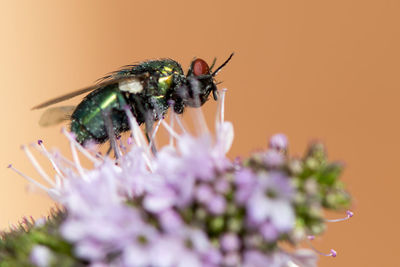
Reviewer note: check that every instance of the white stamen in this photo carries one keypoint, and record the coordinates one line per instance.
(222, 111)
(349, 215)
(59, 157)
(34, 182)
(42, 149)
(80, 148)
(78, 165)
(153, 135)
(171, 123)
(332, 254)
(200, 122)
(59, 180)
(180, 123)
(170, 130)
(139, 138)
(224, 130)
(219, 118)
(37, 166)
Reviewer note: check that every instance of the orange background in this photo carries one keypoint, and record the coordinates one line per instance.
(311, 69)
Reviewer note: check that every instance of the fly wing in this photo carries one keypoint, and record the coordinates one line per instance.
(56, 115)
(65, 97)
(117, 79)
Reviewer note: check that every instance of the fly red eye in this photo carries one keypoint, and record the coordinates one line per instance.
(200, 67)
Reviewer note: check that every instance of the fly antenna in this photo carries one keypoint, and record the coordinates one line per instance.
(213, 63)
(223, 65)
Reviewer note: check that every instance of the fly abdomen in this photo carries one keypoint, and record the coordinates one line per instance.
(87, 121)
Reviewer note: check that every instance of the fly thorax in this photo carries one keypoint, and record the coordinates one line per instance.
(164, 84)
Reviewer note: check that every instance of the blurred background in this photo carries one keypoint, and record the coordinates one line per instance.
(325, 70)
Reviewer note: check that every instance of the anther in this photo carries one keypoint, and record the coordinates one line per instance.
(171, 103)
(349, 213)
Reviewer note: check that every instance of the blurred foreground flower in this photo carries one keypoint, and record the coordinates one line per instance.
(186, 205)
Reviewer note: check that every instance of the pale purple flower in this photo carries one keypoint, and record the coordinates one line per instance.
(103, 231)
(137, 178)
(200, 157)
(170, 251)
(90, 249)
(269, 231)
(222, 185)
(175, 176)
(199, 240)
(81, 195)
(230, 242)
(271, 201)
(135, 256)
(217, 204)
(138, 251)
(204, 193)
(212, 257)
(278, 142)
(273, 158)
(196, 157)
(170, 220)
(98, 221)
(149, 209)
(304, 258)
(255, 258)
(160, 199)
(232, 259)
(200, 244)
(245, 181)
(99, 264)
(41, 256)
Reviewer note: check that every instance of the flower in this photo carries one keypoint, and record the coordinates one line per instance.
(269, 206)
(188, 204)
(278, 142)
(41, 256)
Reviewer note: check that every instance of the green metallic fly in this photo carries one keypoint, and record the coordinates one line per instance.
(147, 88)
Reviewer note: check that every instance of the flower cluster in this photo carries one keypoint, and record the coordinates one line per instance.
(188, 204)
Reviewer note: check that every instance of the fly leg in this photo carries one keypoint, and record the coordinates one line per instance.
(149, 122)
(148, 119)
(111, 134)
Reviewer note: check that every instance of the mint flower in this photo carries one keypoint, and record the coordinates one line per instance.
(41, 256)
(186, 205)
(269, 207)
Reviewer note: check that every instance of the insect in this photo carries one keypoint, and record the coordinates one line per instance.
(146, 88)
